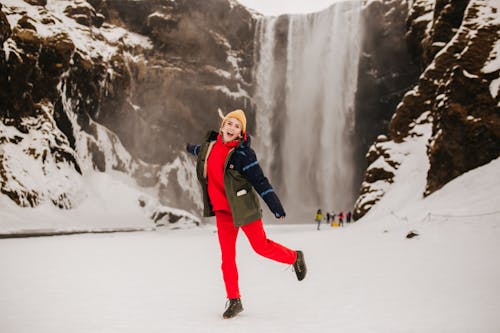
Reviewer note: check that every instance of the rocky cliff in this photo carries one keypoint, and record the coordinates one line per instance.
(121, 85)
(456, 44)
(115, 85)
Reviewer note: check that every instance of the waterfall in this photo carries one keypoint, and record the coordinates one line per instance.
(266, 90)
(305, 89)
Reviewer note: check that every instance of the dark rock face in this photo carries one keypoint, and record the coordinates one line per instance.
(201, 60)
(117, 88)
(446, 17)
(466, 130)
(455, 90)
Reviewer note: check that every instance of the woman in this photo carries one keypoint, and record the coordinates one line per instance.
(230, 176)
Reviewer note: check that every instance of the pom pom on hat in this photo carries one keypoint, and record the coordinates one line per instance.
(236, 114)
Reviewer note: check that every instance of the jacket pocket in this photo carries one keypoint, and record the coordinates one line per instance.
(241, 196)
(241, 192)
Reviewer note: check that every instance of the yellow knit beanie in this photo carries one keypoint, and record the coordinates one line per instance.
(236, 114)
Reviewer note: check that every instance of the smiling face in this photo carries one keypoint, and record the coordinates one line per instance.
(231, 130)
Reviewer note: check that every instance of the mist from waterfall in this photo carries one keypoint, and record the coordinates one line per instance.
(305, 105)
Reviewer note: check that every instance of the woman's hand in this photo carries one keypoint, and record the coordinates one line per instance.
(193, 149)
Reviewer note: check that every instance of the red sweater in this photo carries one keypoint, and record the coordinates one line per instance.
(215, 174)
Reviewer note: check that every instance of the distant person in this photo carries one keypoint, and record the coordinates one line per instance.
(327, 217)
(333, 219)
(348, 217)
(231, 177)
(318, 217)
(341, 219)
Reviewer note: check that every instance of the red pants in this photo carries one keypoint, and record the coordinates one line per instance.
(255, 233)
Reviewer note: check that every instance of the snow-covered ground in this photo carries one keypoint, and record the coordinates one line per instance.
(365, 277)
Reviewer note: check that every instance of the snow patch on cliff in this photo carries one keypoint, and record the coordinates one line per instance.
(35, 165)
(91, 41)
(411, 172)
(408, 162)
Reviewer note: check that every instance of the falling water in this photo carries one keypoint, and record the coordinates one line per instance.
(311, 159)
(266, 90)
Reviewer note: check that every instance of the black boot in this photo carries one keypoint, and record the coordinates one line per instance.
(300, 266)
(233, 308)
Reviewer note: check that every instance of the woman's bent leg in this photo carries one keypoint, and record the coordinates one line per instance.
(266, 247)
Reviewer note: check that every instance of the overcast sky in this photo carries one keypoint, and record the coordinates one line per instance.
(276, 7)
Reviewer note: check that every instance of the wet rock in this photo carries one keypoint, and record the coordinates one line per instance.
(37, 2)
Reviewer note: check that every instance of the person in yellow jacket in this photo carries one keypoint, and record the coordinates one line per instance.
(318, 217)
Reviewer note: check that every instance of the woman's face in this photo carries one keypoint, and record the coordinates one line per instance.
(231, 130)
